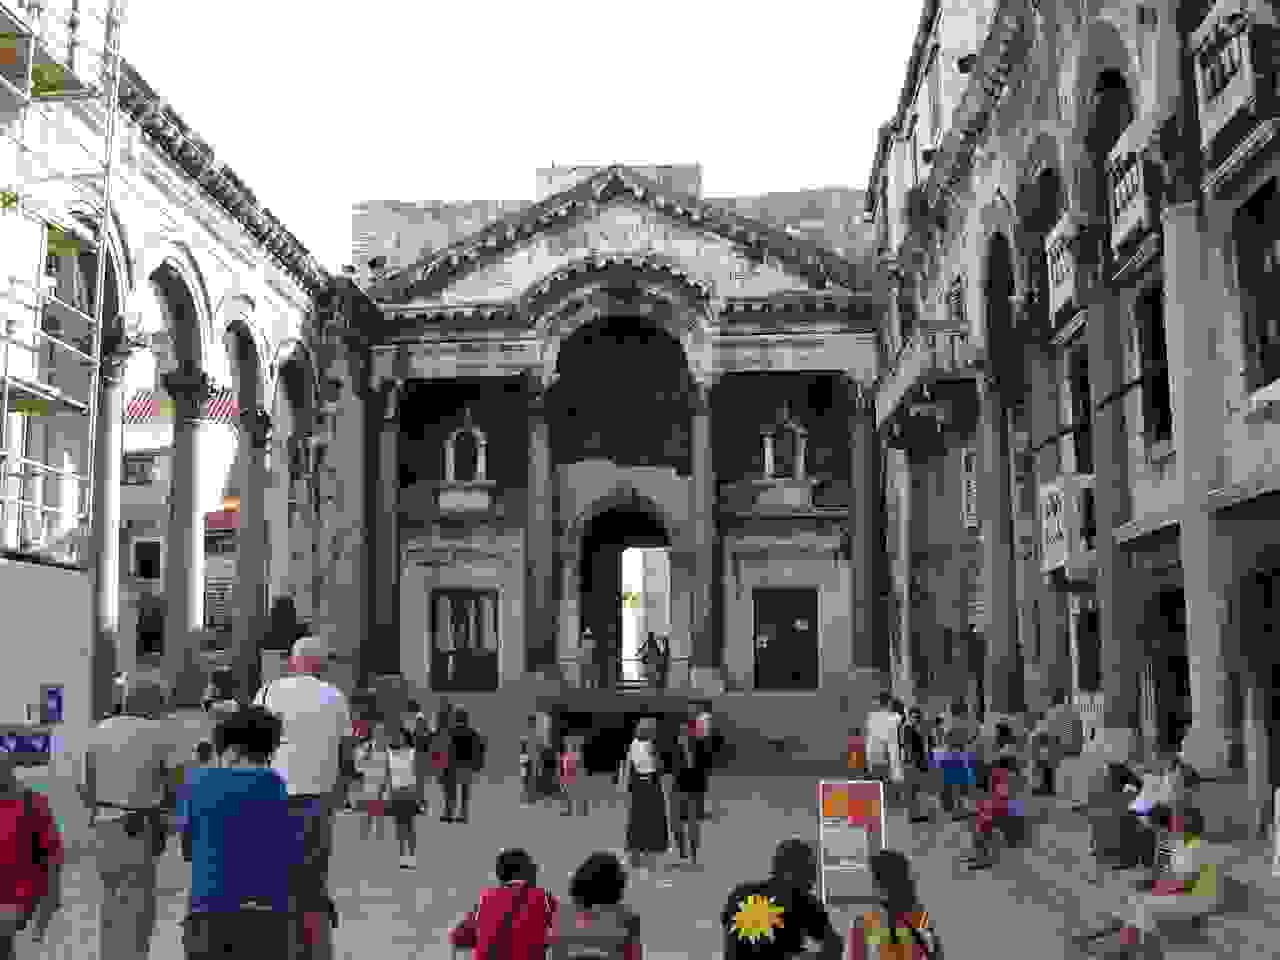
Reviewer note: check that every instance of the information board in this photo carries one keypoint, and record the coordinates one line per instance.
(851, 825)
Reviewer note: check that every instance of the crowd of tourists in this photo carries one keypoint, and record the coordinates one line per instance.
(255, 815)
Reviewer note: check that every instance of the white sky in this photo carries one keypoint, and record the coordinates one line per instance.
(319, 106)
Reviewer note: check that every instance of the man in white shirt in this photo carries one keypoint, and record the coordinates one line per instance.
(316, 722)
(882, 738)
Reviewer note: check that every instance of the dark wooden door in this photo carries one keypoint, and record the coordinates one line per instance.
(786, 639)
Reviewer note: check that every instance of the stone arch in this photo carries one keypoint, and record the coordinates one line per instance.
(187, 312)
(291, 354)
(999, 288)
(619, 498)
(245, 351)
(120, 268)
(555, 303)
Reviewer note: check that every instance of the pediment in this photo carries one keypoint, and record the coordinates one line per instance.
(619, 213)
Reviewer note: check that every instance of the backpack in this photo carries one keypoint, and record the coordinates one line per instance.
(38, 854)
(926, 938)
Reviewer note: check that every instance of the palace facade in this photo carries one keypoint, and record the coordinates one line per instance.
(620, 364)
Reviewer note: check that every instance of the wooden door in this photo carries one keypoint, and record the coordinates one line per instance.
(786, 638)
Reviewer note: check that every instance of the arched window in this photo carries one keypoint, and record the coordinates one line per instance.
(465, 459)
(785, 442)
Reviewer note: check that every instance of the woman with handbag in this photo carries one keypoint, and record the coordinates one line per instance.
(647, 832)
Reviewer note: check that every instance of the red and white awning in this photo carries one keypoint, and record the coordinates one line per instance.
(153, 406)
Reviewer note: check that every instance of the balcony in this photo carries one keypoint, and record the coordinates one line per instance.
(465, 498)
(1070, 252)
(927, 357)
(1134, 184)
(1236, 74)
(1068, 528)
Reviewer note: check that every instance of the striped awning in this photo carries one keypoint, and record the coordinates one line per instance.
(151, 406)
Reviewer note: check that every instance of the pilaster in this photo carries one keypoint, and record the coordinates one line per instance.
(870, 655)
(1003, 673)
(539, 537)
(1117, 609)
(1194, 285)
(387, 559)
(704, 654)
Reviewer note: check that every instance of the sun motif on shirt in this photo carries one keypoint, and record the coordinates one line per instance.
(756, 918)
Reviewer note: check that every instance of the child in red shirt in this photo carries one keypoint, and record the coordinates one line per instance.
(31, 859)
(572, 777)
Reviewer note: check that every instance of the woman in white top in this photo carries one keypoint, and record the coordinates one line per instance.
(647, 832)
(371, 762)
(402, 775)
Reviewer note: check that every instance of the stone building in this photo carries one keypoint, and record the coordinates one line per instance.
(619, 364)
(206, 293)
(1076, 203)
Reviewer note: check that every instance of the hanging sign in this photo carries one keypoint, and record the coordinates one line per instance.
(851, 823)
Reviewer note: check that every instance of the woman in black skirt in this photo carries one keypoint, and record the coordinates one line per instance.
(647, 834)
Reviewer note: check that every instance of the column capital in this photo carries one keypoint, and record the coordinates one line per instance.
(536, 397)
(190, 391)
(115, 352)
(859, 395)
(257, 426)
(391, 393)
(700, 397)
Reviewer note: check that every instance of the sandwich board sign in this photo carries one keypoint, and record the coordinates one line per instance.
(851, 822)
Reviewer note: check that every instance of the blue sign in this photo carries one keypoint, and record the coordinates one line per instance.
(53, 704)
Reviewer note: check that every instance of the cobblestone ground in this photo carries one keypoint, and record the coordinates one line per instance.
(1026, 906)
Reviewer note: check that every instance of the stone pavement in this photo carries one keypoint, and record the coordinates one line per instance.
(1024, 907)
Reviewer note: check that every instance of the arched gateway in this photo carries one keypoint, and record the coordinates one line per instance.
(627, 354)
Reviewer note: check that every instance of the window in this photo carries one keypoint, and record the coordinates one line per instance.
(465, 454)
(935, 98)
(969, 487)
(1079, 391)
(1088, 652)
(1257, 241)
(139, 469)
(1157, 403)
(464, 639)
(146, 559)
(955, 304)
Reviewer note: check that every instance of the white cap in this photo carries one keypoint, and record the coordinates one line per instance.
(310, 646)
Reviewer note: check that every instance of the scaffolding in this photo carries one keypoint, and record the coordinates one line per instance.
(53, 254)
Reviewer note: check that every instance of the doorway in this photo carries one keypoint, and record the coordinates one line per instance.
(612, 638)
(786, 638)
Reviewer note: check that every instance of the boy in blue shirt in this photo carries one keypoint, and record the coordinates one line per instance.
(241, 841)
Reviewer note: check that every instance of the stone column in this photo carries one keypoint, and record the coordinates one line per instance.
(902, 578)
(251, 552)
(870, 657)
(1003, 678)
(1121, 657)
(703, 669)
(109, 452)
(1194, 283)
(386, 588)
(539, 538)
(184, 538)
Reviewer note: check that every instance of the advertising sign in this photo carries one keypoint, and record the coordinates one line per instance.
(851, 824)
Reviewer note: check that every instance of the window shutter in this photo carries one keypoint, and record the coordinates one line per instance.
(969, 486)
(955, 303)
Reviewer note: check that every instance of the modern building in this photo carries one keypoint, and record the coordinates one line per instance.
(1078, 213)
(620, 364)
(201, 286)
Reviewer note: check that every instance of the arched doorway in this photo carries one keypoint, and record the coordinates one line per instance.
(624, 591)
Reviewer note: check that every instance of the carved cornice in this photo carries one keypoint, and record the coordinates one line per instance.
(166, 130)
(617, 184)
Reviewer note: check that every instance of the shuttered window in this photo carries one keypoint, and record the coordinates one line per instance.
(969, 487)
